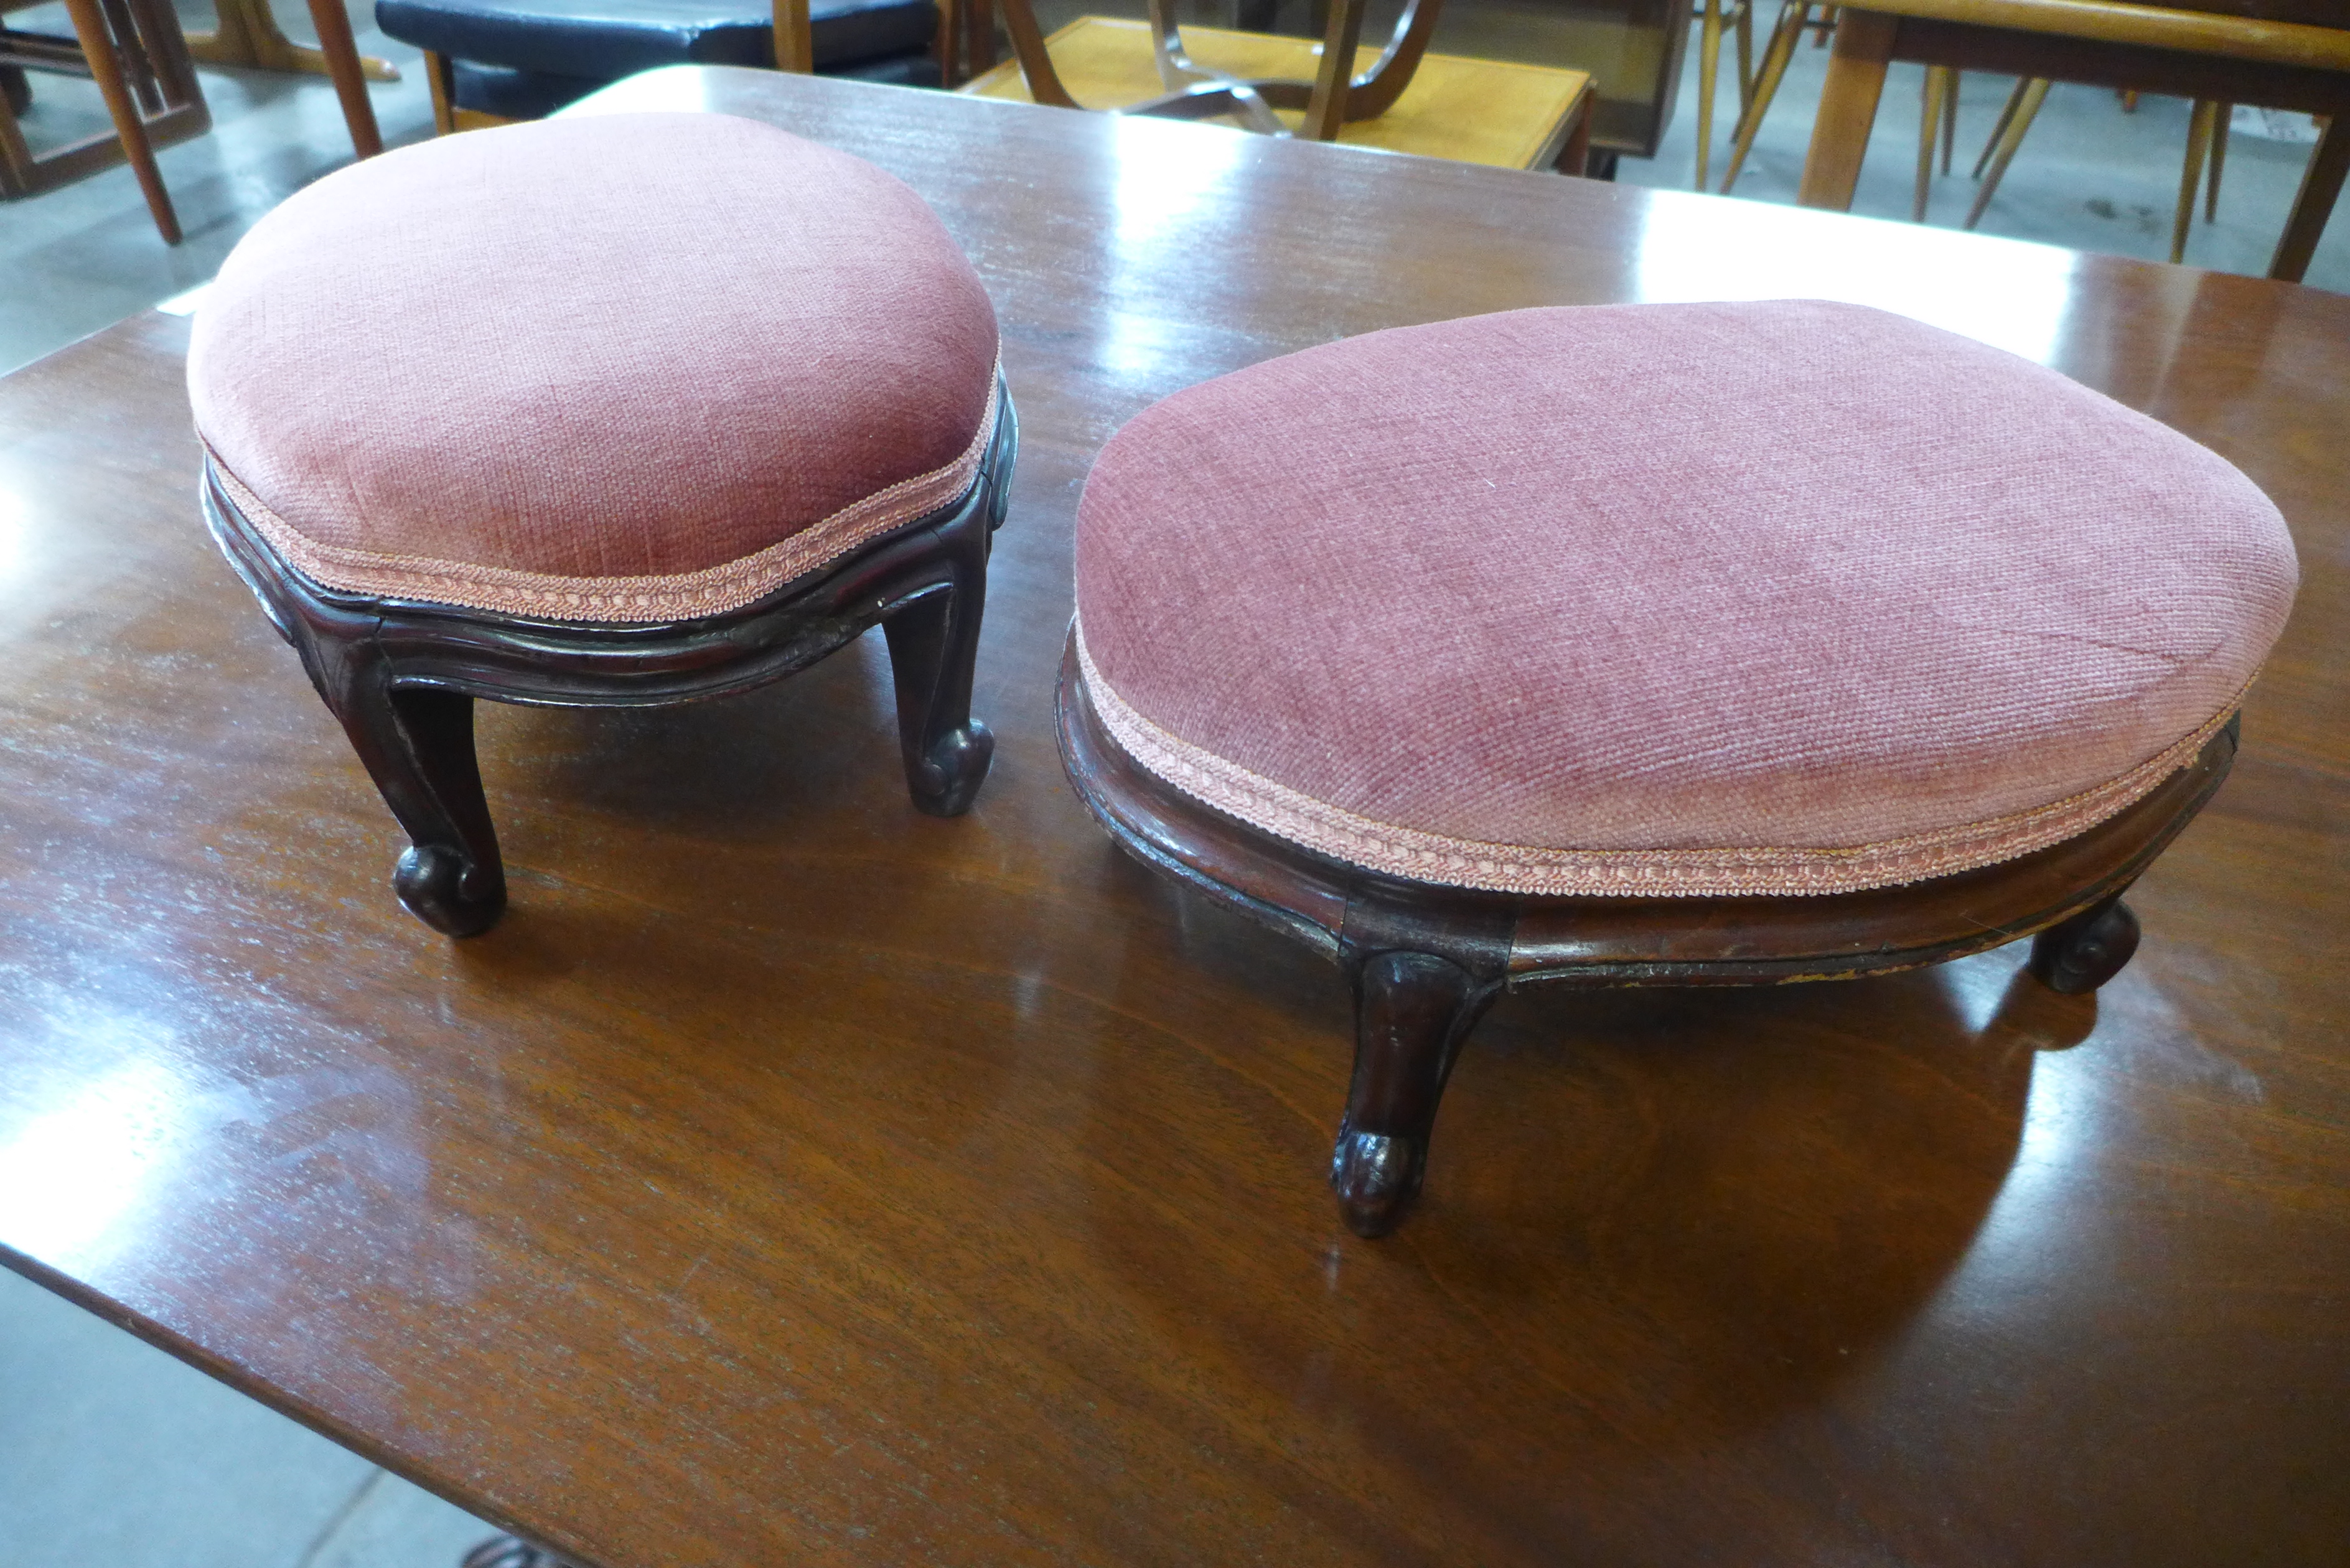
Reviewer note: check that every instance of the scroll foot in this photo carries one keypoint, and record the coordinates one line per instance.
(2077, 955)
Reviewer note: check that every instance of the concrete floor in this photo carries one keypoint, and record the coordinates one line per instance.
(111, 1452)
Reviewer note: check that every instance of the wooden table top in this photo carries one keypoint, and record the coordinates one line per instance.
(1477, 111)
(794, 1179)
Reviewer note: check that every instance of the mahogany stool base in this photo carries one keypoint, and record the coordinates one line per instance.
(402, 675)
(1426, 960)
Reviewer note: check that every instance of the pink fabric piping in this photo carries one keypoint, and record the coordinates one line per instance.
(1394, 851)
(677, 595)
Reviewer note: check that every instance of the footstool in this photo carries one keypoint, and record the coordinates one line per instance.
(1655, 644)
(622, 410)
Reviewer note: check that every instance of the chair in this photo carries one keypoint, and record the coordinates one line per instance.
(2216, 54)
(1403, 100)
(687, 403)
(494, 62)
(1509, 651)
(142, 64)
(135, 52)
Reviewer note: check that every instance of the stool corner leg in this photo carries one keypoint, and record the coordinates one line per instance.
(933, 650)
(417, 745)
(2076, 956)
(1412, 1010)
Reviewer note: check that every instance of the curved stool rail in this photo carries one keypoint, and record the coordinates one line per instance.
(1426, 960)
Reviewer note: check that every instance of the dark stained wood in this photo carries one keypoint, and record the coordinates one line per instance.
(1426, 960)
(789, 1178)
(401, 676)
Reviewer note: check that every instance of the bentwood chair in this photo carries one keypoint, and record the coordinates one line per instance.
(2284, 54)
(1404, 100)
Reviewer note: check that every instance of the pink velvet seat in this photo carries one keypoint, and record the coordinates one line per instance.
(623, 409)
(627, 367)
(1655, 644)
(1789, 597)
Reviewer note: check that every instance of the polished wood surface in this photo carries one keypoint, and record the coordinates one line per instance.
(791, 1178)
(2248, 29)
(1474, 111)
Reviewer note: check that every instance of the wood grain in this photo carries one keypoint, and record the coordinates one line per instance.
(794, 1179)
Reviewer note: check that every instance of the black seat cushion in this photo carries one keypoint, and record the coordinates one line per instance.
(534, 95)
(600, 41)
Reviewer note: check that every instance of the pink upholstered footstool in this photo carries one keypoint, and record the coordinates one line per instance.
(626, 410)
(1655, 644)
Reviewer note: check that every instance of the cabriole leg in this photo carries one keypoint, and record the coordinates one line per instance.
(417, 743)
(2077, 955)
(933, 647)
(1411, 1013)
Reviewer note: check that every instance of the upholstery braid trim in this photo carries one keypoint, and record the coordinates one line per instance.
(677, 595)
(1391, 850)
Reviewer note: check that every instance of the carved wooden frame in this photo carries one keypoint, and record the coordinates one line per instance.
(1426, 960)
(402, 675)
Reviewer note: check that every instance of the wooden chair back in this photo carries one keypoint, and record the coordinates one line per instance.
(1194, 91)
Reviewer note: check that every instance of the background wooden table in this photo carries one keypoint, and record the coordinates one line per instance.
(794, 1179)
(2281, 54)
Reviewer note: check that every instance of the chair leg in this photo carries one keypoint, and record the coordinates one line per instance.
(1776, 52)
(342, 54)
(1999, 127)
(933, 650)
(441, 77)
(105, 66)
(1848, 100)
(2321, 184)
(1411, 1013)
(2034, 93)
(1950, 117)
(1935, 90)
(2190, 175)
(2077, 955)
(417, 745)
(1708, 61)
(2219, 160)
(1745, 55)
